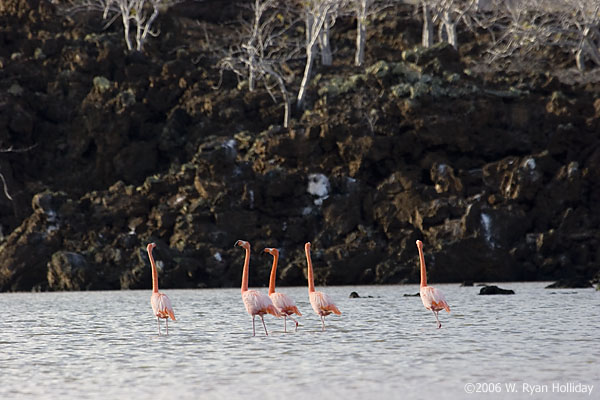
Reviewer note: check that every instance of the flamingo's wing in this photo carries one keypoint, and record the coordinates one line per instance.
(322, 303)
(438, 300)
(161, 305)
(433, 299)
(284, 303)
(258, 303)
(168, 307)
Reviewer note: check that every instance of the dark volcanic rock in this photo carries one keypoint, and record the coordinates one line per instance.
(355, 295)
(104, 150)
(495, 290)
(570, 283)
(68, 271)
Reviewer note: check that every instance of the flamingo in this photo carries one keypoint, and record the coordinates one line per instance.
(432, 298)
(161, 305)
(320, 302)
(256, 303)
(282, 302)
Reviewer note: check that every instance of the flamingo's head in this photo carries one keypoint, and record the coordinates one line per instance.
(307, 246)
(243, 243)
(151, 246)
(272, 251)
(419, 245)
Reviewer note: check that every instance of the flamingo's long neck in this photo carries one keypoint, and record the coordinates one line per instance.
(273, 274)
(245, 273)
(423, 272)
(154, 274)
(311, 280)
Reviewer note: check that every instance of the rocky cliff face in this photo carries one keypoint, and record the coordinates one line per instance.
(498, 177)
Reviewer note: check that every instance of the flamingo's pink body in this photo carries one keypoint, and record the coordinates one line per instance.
(432, 298)
(256, 303)
(286, 306)
(161, 305)
(320, 302)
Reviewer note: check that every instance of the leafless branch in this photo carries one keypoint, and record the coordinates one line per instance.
(522, 29)
(363, 10)
(138, 15)
(11, 149)
(265, 48)
(317, 14)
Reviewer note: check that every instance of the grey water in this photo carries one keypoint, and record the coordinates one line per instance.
(91, 345)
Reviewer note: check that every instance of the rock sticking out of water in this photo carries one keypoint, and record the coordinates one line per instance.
(355, 295)
(466, 283)
(570, 283)
(412, 295)
(495, 290)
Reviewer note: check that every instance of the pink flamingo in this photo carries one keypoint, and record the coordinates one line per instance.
(432, 298)
(161, 305)
(282, 302)
(320, 302)
(256, 303)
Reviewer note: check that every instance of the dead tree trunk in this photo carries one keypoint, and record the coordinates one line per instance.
(427, 35)
(325, 45)
(450, 27)
(361, 32)
(315, 19)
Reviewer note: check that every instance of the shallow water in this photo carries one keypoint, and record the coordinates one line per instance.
(90, 345)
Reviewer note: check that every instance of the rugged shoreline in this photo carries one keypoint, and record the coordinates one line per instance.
(497, 176)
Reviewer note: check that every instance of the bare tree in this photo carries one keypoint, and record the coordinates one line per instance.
(585, 18)
(450, 14)
(139, 14)
(265, 50)
(427, 35)
(254, 43)
(325, 34)
(517, 29)
(522, 28)
(447, 14)
(363, 9)
(324, 41)
(316, 14)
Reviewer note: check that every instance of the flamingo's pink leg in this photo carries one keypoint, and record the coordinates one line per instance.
(263, 321)
(437, 319)
(296, 321)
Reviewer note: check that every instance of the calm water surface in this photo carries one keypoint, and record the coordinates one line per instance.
(90, 345)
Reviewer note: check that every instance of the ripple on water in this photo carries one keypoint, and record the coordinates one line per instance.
(379, 347)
